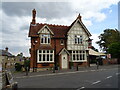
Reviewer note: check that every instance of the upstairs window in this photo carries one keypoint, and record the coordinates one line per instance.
(45, 39)
(78, 39)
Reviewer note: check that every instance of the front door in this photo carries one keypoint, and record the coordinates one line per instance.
(64, 61)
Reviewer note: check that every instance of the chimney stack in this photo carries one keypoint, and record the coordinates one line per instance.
(33, 16)
(6, 49)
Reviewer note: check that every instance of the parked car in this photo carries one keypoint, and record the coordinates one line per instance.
(7, 81)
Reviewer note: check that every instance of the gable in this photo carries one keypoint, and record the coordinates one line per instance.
(64, 51)
(45, 30)
(77, 25)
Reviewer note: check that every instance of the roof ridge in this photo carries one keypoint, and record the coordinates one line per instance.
(53, 24)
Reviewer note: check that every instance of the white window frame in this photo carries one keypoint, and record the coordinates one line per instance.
(78, 39)
(48, 38)
(79, 53)
(46, 53)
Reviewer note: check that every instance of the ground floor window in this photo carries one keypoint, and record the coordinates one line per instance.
(78, 55)
(45, 56)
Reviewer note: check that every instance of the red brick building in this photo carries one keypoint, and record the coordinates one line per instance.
(58, 45)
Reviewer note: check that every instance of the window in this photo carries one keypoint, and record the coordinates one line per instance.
(45, 55)
(61, 42)
(45, 39)
(78, 55)
(78, 39)
(40, 57)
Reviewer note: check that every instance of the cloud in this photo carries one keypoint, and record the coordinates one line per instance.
(12, 34)
(47, 10)
(92, 9)
(95, 39)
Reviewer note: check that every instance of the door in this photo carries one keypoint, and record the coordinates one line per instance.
(64, 61)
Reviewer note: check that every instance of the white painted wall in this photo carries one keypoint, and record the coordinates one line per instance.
(77, 30)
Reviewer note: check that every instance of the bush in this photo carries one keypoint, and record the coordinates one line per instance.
(27, 65)
(70, 65)
(18, 67)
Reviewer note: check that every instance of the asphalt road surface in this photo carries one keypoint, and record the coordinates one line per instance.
(106, 77)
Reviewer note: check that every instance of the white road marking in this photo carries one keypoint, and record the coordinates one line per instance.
(80, 88)
(117, 73)
(96, 82)
(108, 77)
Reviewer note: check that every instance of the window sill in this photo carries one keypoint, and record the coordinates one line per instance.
(79, 61)
(45, 43)
(45, 61)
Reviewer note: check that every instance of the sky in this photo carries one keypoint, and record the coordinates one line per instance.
(15, 17)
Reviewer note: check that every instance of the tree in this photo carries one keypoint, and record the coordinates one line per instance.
(108, 37)
(27, 64)
(21, 54)
(18, 67)
(114, 50)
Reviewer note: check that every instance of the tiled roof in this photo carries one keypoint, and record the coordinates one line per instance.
(5, 53)
(58, 30)
(45, 47)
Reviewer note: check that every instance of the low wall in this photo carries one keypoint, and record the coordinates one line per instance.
(80, 64)
(110, 61)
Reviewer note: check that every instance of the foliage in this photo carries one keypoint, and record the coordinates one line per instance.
(21, 54)
(114, 50)
(27, 64)
(108, 37)
(18, 67)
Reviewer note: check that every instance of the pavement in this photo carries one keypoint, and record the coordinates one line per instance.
(93, 67)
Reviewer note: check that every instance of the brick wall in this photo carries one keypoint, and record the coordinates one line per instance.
(110, 61)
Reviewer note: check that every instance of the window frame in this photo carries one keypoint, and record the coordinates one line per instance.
(45, 53)
(78, 39)
(78, 56)
(45, 39)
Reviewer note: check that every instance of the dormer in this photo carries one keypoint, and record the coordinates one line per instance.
(45, 35)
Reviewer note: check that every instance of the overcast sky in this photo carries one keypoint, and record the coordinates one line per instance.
(97, 15)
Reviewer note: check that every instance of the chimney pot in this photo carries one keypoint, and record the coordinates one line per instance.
(6, 49)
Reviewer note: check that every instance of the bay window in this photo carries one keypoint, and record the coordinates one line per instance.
(78, 55)
(45, 56)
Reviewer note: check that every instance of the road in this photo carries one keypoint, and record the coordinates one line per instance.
(106, 77)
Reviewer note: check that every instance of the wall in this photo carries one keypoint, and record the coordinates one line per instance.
(77, 30)
(110, 61)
